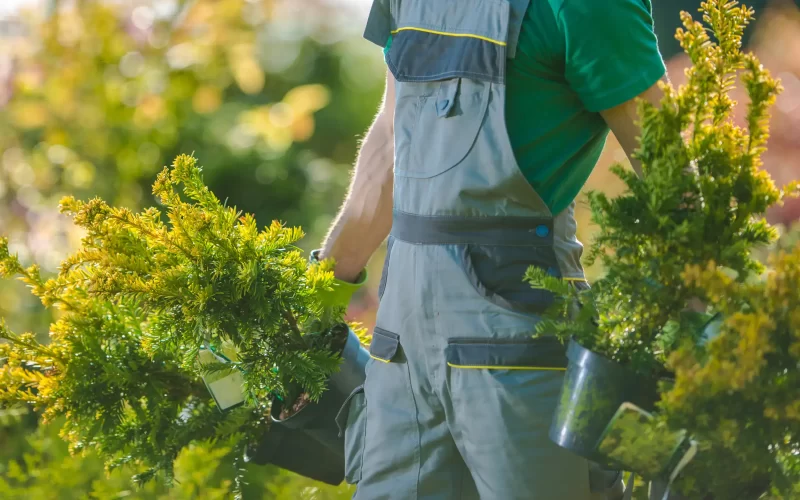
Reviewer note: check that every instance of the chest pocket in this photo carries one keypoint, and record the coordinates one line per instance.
(443, 127)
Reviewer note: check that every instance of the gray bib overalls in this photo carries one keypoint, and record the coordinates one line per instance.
(459, 396)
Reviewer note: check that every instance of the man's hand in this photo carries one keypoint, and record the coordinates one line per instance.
(623, 120)
(365, 219)
(342, 291)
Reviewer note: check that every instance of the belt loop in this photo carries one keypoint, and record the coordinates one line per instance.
(446, 97)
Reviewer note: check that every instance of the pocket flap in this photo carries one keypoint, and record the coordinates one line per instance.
(384, 345)
(544, 353)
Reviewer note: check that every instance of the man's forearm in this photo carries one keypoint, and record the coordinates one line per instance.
(365, 218)
(624, 122)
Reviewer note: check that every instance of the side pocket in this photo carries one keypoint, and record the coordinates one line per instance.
(385, 273)
(352, 422)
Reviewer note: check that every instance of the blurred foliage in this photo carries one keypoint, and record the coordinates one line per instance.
(788, 240)
(35, 464)
(101, 95)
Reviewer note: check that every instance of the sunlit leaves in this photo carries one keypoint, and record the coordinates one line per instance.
(144, 293)
(688, 229)
(702, 197)
(747, 375)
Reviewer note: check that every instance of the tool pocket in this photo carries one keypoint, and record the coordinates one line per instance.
(434, 41)
(497, 274)
(514, 384)
(447, 55)
(352, 423)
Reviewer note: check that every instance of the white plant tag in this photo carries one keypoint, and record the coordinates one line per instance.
(227, 388)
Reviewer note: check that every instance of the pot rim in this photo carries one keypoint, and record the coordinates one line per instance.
(277, 405)
(580, 355)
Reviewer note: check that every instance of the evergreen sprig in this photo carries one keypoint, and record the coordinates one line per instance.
(208, 275)
(121, 399)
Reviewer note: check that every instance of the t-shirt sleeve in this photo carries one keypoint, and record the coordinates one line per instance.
(611, 50)
(379, 23)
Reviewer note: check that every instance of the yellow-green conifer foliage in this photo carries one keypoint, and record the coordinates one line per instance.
(740, 394)
(701, 199)
(689, 229)
(144, 293)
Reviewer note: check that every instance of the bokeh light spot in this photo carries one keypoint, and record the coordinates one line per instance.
(142, 17)
(57, 154)
(131, 64)
(206, 99)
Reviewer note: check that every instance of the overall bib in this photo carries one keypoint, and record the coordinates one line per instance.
(459, 396)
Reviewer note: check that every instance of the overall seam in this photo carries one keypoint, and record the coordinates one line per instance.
(418, 450)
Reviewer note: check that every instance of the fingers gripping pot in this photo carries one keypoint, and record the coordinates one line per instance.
(309, 442)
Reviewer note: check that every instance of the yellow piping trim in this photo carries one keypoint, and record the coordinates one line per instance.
(470, 367)
(468, 35)
(380, 359)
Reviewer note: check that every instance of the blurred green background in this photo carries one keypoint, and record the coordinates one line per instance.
(273, 97)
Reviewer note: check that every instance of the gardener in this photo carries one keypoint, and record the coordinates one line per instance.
(495, 113)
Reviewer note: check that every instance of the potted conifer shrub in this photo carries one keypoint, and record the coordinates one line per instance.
(701, 199)
(738, 395)
(735, 398)
(167, 316)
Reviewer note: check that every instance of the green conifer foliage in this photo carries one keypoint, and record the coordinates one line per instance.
(690, 228)
(701, 199)
(140, 298)
(739, 395)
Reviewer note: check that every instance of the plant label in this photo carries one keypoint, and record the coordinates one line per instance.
(226, 386)
(632, 441)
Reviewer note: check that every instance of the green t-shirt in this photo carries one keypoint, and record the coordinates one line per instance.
(574, 58)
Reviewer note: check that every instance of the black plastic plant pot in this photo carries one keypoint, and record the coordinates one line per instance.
(296, 451)
(310, 438)
(594, 389)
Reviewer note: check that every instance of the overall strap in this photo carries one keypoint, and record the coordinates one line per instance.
(382, 20)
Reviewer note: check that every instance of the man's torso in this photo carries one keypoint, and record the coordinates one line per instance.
(554, 90)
